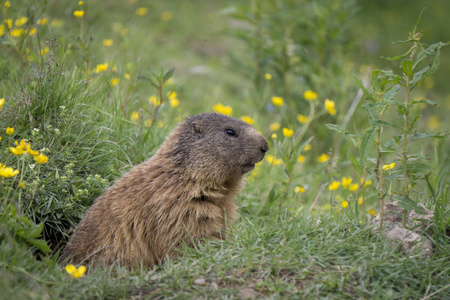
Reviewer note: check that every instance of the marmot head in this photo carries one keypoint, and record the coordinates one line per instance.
(216, 147)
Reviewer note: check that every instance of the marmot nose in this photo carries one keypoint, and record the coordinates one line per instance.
(265, 148)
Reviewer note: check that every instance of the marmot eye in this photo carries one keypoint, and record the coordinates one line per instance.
(230, 132)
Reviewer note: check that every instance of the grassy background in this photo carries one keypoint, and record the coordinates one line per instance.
(289, 242)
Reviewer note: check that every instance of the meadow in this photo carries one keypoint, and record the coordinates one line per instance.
(89, 89)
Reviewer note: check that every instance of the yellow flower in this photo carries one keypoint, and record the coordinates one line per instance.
(19, 150)
(274, 136)
(78, 13)
(80, 3)
(334, 185)
(166, 16)
(302, 119)
(360, 200)
(273, 161)
(372, 212)
(353, 187)
(9, 130)
(134, 116)
(170, 81)
(299, 189)
(148, 123)
(42, 21)
(434, 123)
(388, 167)
(32, 152)
(7, 172)
(274, 126)
(41, 159)
(2, 30)
(344, 204)
(368, 182)
(115, 81)
(346, 182)
(268, 76)
(248, 120)
(226, 110)
(153, 100)
(45, 50)
(20, 21)
(288, 132)
(310, 95)
(301, 158)
(330, 107)
(76, 272)
(323, 158)
(141, 11)
(174, 102)
(17, 32)
(277, 101)
(101, 68)
(307, 147)
(7, 4)
(108, 42)
(32, 31)
(9, 22)
(2, 101)
(127, 76)
(22, 184)
(172, 95)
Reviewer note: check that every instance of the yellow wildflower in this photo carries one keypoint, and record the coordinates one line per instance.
(20, 21)
(310, 95)
(372, 212)
(153, 100)
(141, 11)
(299, 189)
(346, 182)
(19, 150)
(344, 204)
(134, 116)
(274, 136)
(45, 50)
(170, 81)
(166, 16)
(9, 22)
(277, 101)
(32, 152)
(388, 166)
(148, 123)
(80, 3)
(334, 185)
(9, 130)
(17, 32)
(434, 123)
(115, 81)
(32, 31)
(8, 172)
(330, 107)
(22, 184)
(274, 126)
(108, 42)
(127, 76)
(101, 68)
(2, 101)
(301, 158)
(323, 158)
(248, 120)
(268, 76)
(7, 4)
(368, 182)
(307, 147)
(273, 161)
(302, 119)
(172, 95)
(226, 110)
(174, 102)
(42, 21)
(78, 13)
(288, 132)
(2, 30)
(76, 272)
(360, 200)
(353, 187)
(41, 159)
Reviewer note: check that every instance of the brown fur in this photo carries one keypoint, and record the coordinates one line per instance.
(184, 193)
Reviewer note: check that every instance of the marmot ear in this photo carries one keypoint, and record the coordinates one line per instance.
(197, 126)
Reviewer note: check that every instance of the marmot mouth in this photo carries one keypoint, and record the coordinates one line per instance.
(248, 167)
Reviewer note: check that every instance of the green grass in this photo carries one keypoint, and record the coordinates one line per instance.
(287, 244)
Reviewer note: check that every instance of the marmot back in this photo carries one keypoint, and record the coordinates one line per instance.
(184, 193)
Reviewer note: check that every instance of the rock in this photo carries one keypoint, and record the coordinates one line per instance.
(248, 293)
(200, 281)
(410, 241)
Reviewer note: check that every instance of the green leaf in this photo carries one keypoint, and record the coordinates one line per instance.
(418, 76)
(339, 129)
(389, 95)
(30, 232)
(168, 74)
(406, 66)
(366, 142)
(361, 86)
(427, 101)
(409, 204)
(355, 163)
(381, 123)
(41, 245)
